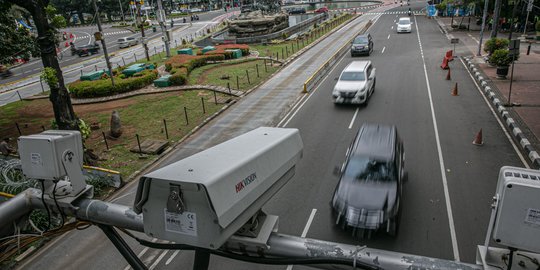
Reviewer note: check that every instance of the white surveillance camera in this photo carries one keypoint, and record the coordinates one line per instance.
(204, 199)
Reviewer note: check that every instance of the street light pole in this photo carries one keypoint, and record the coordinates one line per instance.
(109, 66)
(138, 4)
(121, 10)
(161, 19)
(484, 17)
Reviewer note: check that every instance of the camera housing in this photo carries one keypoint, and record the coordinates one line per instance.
(204, 199)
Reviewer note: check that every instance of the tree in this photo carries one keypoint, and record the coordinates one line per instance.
(44, 20)
(17, 42)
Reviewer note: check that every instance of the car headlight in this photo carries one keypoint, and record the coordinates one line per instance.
(361, 91)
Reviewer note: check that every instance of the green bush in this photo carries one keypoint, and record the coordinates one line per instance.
(100, 88)
(501, 58)
(537, 26)
(179, 76)
(441, 7)
(495, 44)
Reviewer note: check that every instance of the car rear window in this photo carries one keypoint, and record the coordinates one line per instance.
(121, 40)
(353, 76)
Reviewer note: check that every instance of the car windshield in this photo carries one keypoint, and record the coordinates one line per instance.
(366, 169)
(353, 76)
(360, 40)
(121, 40)
(404, 21)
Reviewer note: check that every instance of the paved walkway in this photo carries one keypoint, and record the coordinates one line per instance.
(525, 93)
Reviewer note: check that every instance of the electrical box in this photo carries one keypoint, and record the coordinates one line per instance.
(518, 215)
(41, 154)
(204, 199)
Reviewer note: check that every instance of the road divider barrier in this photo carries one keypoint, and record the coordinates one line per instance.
(447, 58)
(314, 79)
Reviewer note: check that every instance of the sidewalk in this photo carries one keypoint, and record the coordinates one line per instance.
(525, 92)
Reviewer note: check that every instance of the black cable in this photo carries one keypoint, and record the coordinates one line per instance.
(57, 206)
(44, 204)
(511, 256)
(259, 260)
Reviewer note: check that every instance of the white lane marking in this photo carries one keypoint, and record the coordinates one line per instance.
(383, 49)
(158, 260)
(496, 117)
(388, 36)
(392, 27)
(441, 160)
(172, 257)
(354, 117)
(306, 229)
(473, 38)
(141, 253)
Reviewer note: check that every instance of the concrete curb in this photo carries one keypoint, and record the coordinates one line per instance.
(498, 105)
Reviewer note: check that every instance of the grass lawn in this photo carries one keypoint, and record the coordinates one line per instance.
(141, 115)
(223, 73)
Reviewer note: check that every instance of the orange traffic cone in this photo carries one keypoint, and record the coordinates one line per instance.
(478, 139)
(448, 76)
(455, 91)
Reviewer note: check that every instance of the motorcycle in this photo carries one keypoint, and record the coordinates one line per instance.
(5, 73)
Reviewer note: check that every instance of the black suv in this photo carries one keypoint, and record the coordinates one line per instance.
(369, 190)
(362, 44)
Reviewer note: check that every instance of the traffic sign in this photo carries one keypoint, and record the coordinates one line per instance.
(530, 6)
(454, 40)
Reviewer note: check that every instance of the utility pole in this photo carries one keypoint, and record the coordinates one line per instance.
(103, 43)
(161, 20)
(141, 25)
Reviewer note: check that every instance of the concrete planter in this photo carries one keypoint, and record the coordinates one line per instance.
(502, 72)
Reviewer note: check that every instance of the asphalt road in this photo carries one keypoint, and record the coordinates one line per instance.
(446, 200)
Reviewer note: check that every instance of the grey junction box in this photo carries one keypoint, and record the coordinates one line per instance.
(204, 199)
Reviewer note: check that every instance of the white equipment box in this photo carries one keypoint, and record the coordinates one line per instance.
(204, 199)
(518, 216)
(42, 154)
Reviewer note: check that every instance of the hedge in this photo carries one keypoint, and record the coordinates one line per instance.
(103, 87)
(243, 47)
(182, 64)
(178, 76)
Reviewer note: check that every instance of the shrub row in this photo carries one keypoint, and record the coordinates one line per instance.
(104, 87)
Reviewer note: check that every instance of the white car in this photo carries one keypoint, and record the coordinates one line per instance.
(127, 42)
(196, 10)
(404, 25)
(356, 83)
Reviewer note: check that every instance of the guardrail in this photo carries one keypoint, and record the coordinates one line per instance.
(314, 79)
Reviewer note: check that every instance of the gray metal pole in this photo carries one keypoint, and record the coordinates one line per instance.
(109, 66)
(121, 10)
(484, 17)
(14, 208)
(141, 25)
(496, 12)
(161, 19)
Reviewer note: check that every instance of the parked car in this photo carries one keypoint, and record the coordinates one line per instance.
(193, 10)
(356, 83)
(86, 49)
(369, 190)
(404, 25)
(321, 10)
(127, 42)
(296, 10)
(362, 44)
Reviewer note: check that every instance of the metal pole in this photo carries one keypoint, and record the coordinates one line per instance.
(166, 131)
(121, 10)
(202, 259)
(109, 66)
(122, 247)
(105, 139)
(484, 17)
(139, 144)
(141, 25)
(511, 79)
(162, 19)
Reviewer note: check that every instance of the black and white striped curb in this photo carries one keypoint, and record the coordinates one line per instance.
(501, 109)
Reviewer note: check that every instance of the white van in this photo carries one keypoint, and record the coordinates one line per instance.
(127, 41)
(356, 83)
